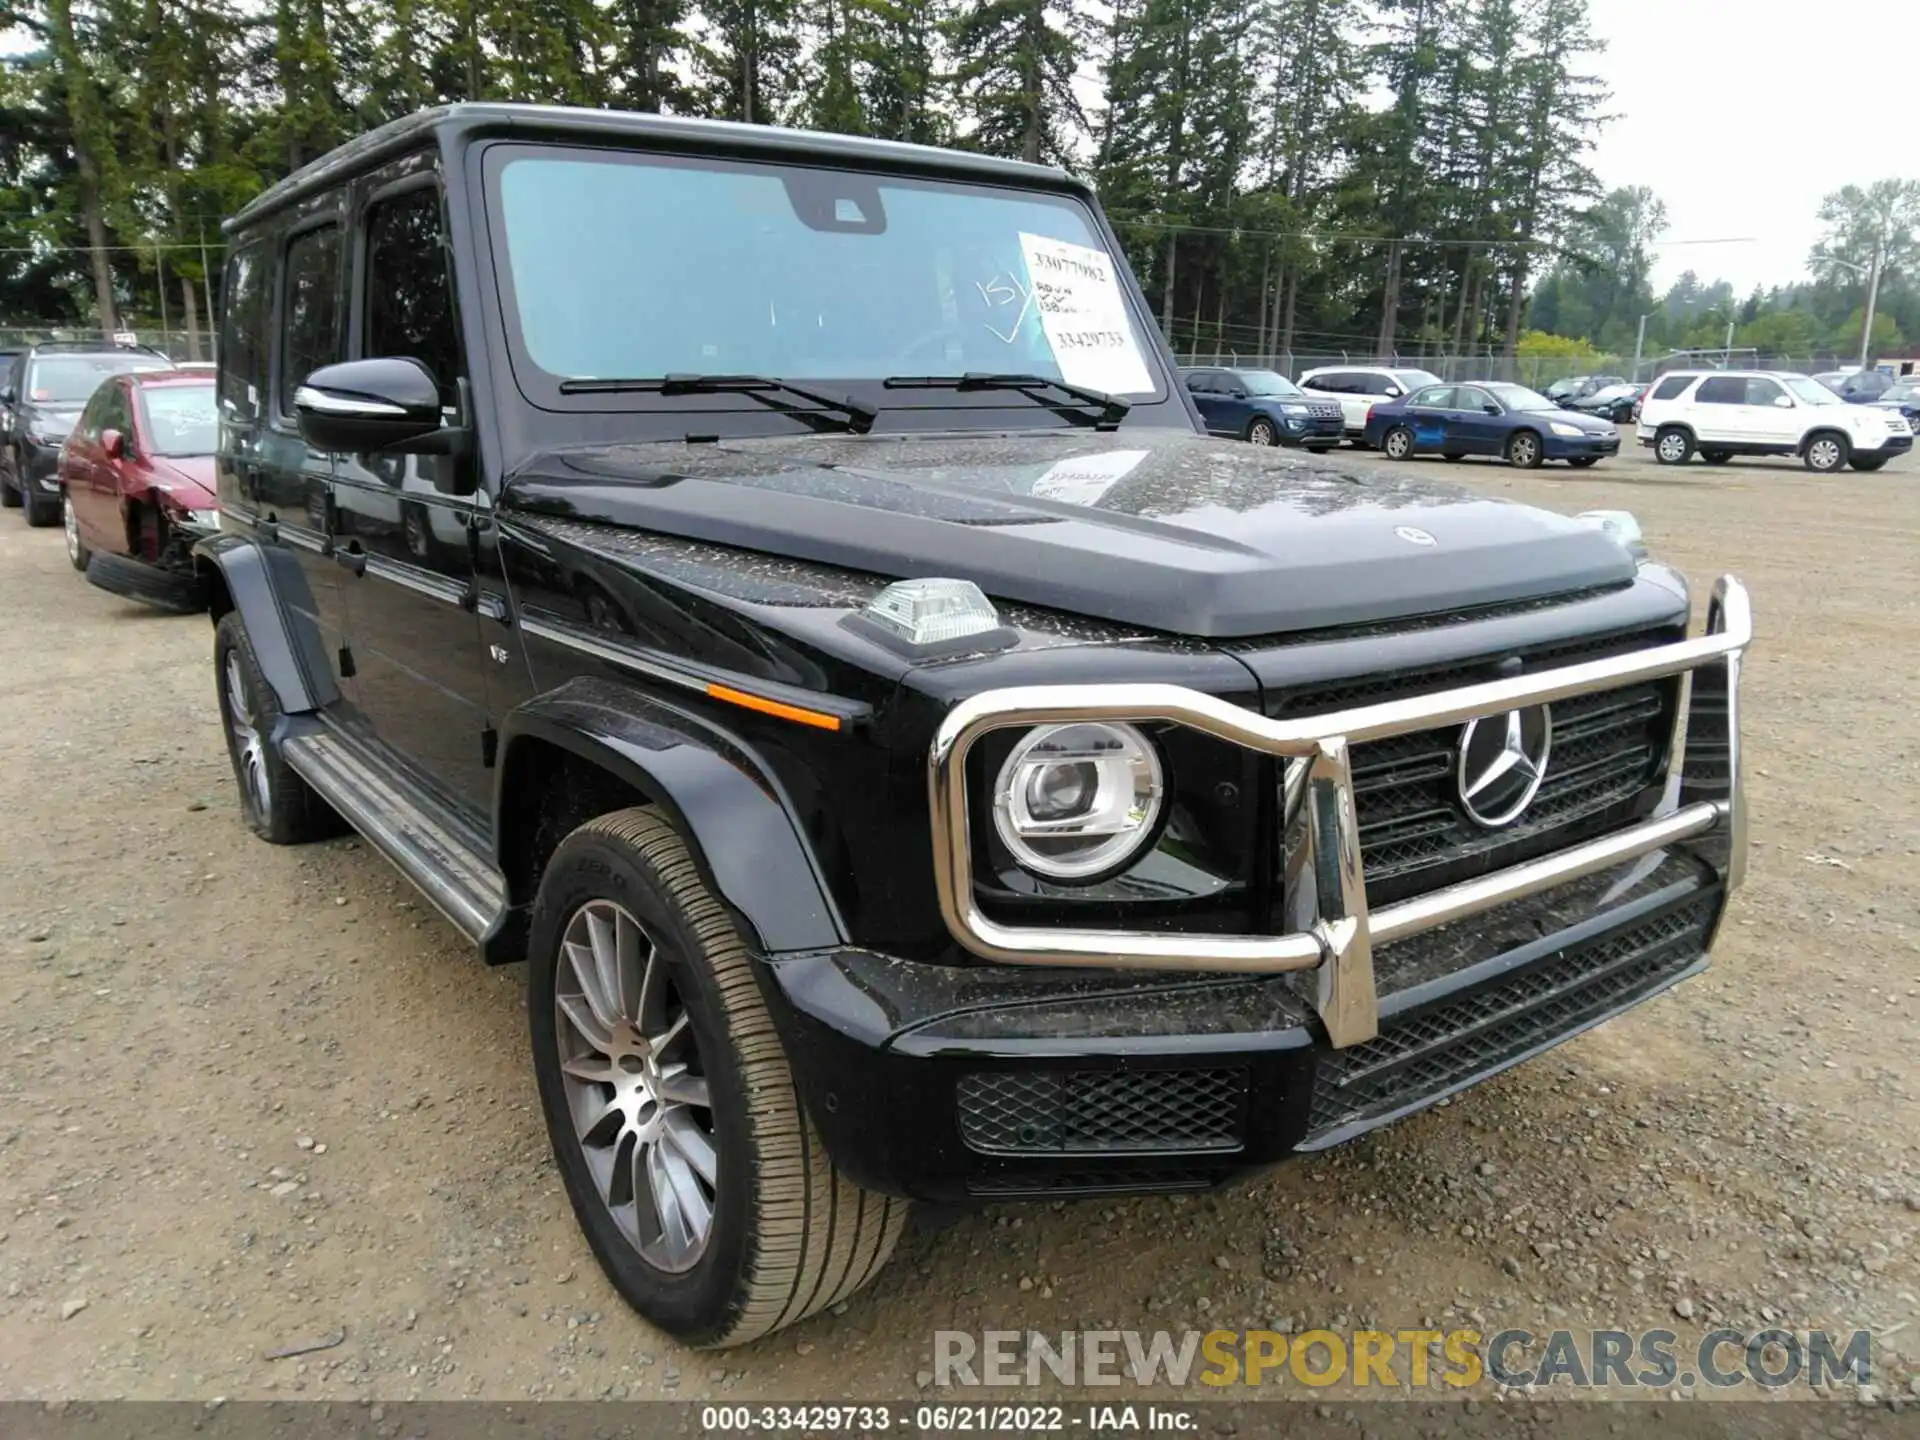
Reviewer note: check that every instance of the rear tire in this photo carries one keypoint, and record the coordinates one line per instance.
(1826, 453)
(1524, 450)
(712, 1126)
(276, 803)
(1673, 446)
(1584, 462)
(1868, 463)
(1397, 443)
(1716, 457)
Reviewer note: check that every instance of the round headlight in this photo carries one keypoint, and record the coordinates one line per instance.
(1073, 801)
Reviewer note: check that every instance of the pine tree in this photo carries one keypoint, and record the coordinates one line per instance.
(749, 62)
(1014, 67)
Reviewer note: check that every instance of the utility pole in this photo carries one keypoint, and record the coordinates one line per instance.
(1726, 356)
(1639, 346)
(160, 282)
(1873, 297)
(206, 289)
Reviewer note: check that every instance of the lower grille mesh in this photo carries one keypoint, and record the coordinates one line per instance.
(1102, 1111)
(1434, 1050)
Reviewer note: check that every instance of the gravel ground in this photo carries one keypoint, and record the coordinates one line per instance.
(252, 1097)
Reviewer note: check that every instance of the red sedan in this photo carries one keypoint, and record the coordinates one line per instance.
(137, 486)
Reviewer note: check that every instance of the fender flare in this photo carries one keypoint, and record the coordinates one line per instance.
(266, 585)
(725, 802)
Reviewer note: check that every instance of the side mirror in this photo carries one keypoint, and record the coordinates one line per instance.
(364, 405)
(1393, 392)
(1491, 408)
(1785, 402)
(1237, 393)
(114, 443)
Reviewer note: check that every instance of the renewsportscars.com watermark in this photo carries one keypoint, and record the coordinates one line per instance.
(1393, 1359)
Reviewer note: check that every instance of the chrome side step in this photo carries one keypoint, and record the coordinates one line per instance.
(441, 858)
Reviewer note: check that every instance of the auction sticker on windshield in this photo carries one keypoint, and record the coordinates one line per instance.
(1083, 314)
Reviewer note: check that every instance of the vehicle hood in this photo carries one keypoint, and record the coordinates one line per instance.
(53, 422)
(188, 479)
(1155, 528)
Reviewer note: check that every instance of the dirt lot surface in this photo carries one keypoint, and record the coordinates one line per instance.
(254, 1096)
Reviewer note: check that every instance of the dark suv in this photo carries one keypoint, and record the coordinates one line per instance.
(776, 586)
(42, 392)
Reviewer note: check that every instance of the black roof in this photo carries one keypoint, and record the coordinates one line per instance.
(557, 122)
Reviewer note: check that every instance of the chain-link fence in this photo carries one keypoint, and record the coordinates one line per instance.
(1534, 371)
(181, 346)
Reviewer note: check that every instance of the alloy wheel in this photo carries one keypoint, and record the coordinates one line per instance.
(1521, 452)
(1263, 433)
(1672, 448)
(248, 743)
(631, 1070)
(1399, 443)
(71, 524)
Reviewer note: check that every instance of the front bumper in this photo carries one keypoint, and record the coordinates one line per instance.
(1895, 445)
(1325, 426)
(1566, 447)
(40, 467)
(959, 1086)
(1091, 1060)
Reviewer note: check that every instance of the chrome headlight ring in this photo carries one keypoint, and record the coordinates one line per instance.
(1074, 802)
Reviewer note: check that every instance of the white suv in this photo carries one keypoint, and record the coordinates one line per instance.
(1358, 388)
(1766, 412)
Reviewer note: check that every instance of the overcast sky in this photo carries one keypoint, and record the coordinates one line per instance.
(1741, 115)
(1818, 97)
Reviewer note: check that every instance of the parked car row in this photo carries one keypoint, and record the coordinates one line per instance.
(1405, 412)
(116, 443)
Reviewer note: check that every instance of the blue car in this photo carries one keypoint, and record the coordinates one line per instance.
(1903, 395)
(1264, 407)
(1509, 422)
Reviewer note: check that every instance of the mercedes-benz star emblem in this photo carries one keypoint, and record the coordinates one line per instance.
(1503, 759)
(1414, 535)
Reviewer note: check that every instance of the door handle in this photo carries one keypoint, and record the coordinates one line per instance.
(354, 559)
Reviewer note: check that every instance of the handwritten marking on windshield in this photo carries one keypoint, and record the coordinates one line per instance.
(1000, 292)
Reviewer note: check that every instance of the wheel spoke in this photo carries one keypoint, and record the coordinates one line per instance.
(579, 1013)
(683, 1205)
(595, 1069)
(597, 1119)
(692, 1143)
(633, 954)
(684, 1089)
(603, 953)
(662, 1042)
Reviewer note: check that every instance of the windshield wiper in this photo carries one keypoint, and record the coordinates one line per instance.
(852, 414)
(1112, 409)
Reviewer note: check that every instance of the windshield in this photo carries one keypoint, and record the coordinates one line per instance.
(626, 266)
(1414, 379)
(72, 379)
(1810, 392)
(1518, 397)
(1613, 392)
(181, 419)
(1266, 382)
(1905, 392)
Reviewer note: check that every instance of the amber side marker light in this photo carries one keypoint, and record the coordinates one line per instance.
(795, 713)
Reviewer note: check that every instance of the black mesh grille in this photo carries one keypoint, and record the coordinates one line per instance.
(1436, 1049)
(1105, 1181)
(1102, 1111)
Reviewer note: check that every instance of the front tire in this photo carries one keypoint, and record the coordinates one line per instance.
(77, 553)
(1826, 454)
(42, 513)
(1524, 451)
(276, 803)
(1397, 443)
(1263, 432)
(1673, 446)
(702, 1189)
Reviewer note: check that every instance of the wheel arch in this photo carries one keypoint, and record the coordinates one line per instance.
(1806, 440)
(239, 573)
(595, 746)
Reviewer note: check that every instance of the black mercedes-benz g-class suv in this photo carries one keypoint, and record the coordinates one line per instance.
(776, 586)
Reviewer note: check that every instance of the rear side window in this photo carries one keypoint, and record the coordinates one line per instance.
(243, 334)
(1434, 397)
(409, 297)
(1723, 390)
(1671, 387)
(310, 311)
(1334, 382)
